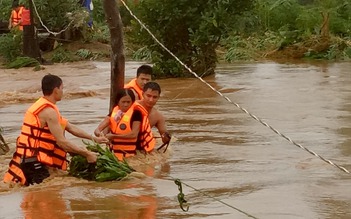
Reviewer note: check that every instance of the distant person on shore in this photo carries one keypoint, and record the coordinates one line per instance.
(15, 20)
(88, 4)
(42, 143)
(144, 75)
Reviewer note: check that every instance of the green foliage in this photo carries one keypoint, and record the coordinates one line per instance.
(107, 167)
(5, 10)
(100, 33)
(250, 48)
(56, 15)
(304, 16)
(347, 53)
(62, 55)
(84, 53)
(11, 45)
(21, 61)
(142, 54)
(339, 49)
(309, 21)
(238, 50)
(98, 13)
(190, 29)
(273, 14)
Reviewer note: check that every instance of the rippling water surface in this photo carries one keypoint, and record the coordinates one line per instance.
(231, 165)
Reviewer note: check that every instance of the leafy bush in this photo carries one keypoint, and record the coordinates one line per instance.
(62, 55)
(20, 62)
(5, 10)
(11, 45)
(190, 29)
(56, 15)
(100, 33)
(84, 53)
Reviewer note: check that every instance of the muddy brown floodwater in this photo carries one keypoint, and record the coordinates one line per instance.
(231, 165)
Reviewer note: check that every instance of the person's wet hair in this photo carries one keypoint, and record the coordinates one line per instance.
(124, 92)
(15, 4)
(144, 69)
(49, 83)
(153, 86)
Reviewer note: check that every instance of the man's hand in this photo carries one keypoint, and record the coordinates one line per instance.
(91, 157)
(97, 132)
(110, 136)
(166, 137)
(101, 139)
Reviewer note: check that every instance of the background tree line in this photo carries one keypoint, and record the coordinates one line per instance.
(203, 32)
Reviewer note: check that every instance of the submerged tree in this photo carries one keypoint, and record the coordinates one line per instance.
(191, 30)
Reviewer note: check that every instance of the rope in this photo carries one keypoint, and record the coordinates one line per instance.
(237, 105)
(183, 203)
(45, 27)
(214, 198)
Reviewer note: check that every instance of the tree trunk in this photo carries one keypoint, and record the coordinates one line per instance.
(114, 21)
(325, 25)
(30, 38)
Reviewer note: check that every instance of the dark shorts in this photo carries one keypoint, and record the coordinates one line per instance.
(34, 171)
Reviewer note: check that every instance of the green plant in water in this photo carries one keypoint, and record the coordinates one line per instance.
(106, 168)
(4, 148)
(23, 61)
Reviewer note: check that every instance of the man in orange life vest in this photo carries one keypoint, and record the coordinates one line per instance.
(151, 94)
(143, 76)
(16, 16)
(42, 143)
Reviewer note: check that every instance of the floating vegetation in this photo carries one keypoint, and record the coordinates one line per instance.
(106, 168)
(4, 148)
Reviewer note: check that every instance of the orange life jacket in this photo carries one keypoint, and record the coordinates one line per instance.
(134, 86)
(127, 147)
(16, 17)
(36, 141)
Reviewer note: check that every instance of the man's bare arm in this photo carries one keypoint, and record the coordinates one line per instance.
(49, 116)
(76, 131)
(103, 127)
(161, 127)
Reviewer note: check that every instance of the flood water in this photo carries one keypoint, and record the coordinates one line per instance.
(231, 165)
